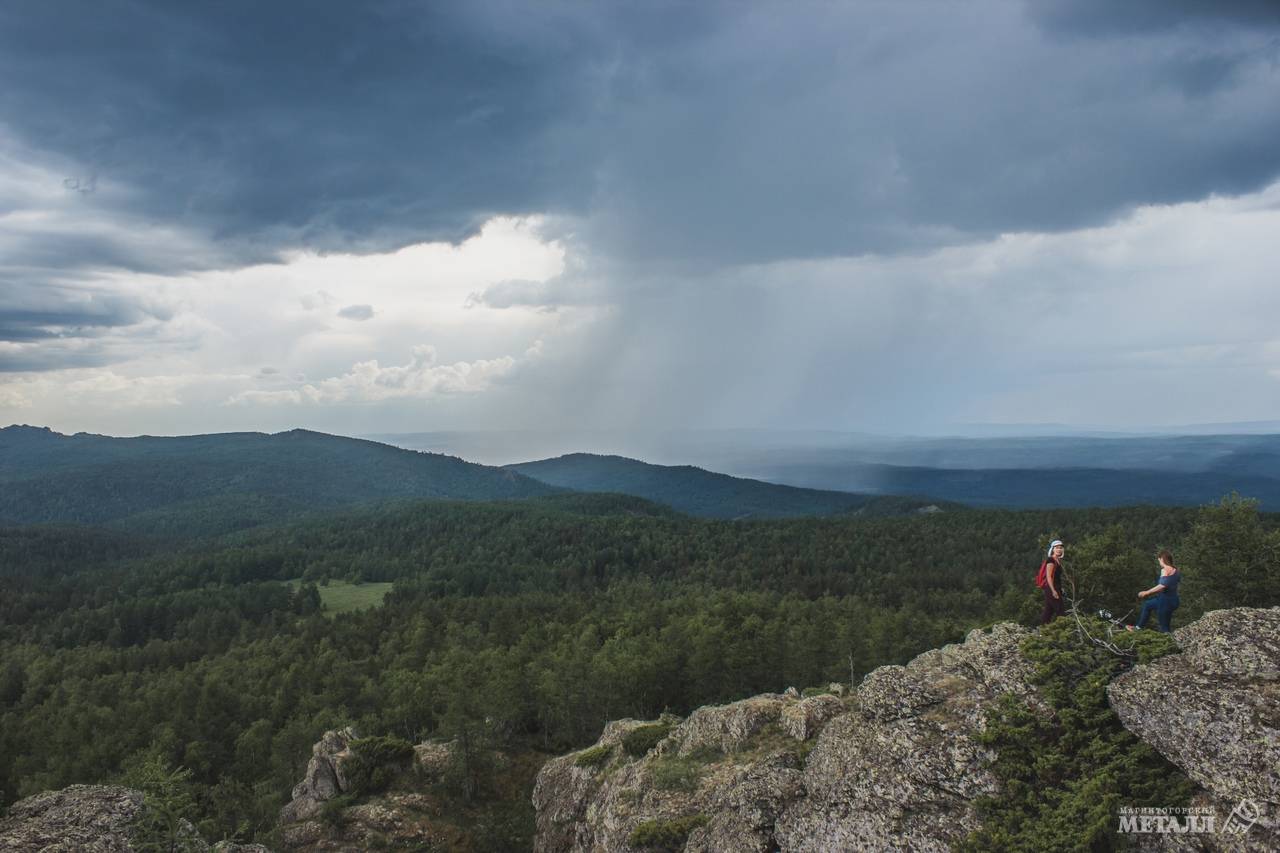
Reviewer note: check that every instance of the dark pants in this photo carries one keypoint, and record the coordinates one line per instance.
(1053, 607)
(1163, 606)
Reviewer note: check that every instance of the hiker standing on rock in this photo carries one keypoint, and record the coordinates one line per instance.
(1049, 579)
(1165, 593)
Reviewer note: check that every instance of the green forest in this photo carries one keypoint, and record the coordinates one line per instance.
(518, 628)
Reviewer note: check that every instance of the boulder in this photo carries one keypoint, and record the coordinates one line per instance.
(895, 766)
(432, 759)
(802, 720)
(725, 728)
(324, 777)
(901, 771)
(90, 818)
(1214, 711)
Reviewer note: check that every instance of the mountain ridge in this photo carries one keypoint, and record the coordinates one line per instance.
(49, 477)
(698, 491)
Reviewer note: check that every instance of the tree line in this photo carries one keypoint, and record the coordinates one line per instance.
(514, 625)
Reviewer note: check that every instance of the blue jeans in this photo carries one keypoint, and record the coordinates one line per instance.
(1163, 605)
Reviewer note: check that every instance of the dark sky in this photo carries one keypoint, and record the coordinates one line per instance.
(867, 215)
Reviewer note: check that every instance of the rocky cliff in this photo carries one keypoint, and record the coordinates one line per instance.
(898, 764)
(92, 819)
(394, 820)
(1214, 711)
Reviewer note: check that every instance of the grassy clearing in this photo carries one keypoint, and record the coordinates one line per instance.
(341, 597)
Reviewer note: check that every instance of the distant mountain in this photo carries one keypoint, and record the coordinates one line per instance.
(704, 493)
(1034, 487)
(212, 483)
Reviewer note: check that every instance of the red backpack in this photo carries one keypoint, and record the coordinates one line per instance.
(1042, 576)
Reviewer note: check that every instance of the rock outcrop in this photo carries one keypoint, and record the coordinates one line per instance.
(897, 764)
(398, 819)
(93, 818)
(324, 778)
(1214, 711)
(90, 819)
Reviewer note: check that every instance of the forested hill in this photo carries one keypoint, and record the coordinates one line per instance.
(512, 627)
(705, 493)
(212, 483)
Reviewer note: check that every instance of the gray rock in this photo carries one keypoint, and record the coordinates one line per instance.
(901, 771)
(894, 767)
(1214, 711)
(726, 728)
(433, 759)
(324, 777)
(741, 795)
(743, 808)
(802, 720)
(90, 818)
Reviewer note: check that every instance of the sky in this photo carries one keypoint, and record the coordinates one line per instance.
(393, 217)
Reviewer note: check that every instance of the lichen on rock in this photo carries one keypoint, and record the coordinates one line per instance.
(902, 769)
(92, 819)
(1214, 711)
(324, 777)
(896, 764)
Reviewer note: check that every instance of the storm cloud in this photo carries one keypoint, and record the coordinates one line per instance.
(701, 172)
(727, 131)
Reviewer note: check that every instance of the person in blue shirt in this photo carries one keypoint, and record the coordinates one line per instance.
(1162, 599)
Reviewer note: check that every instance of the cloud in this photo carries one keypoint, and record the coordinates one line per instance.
(368, 382)
(1095, 17)
(13, 399)
(677, 135)
(1162, 317)
(356, 312)
(53, 328)
(30, 314)
(57, 355)
(312, 301)
(568, 290)
(506, 294)
(337, 129)
(106, 389)
(714, 213)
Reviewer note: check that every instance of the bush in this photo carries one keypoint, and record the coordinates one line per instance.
(1107, 570)
(666, 835)
(375, 763)
(641, 739)
(1230, 558)
(675, 774)
(167, 803)
(1063, 778)
(332, 811)
(593, 757)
